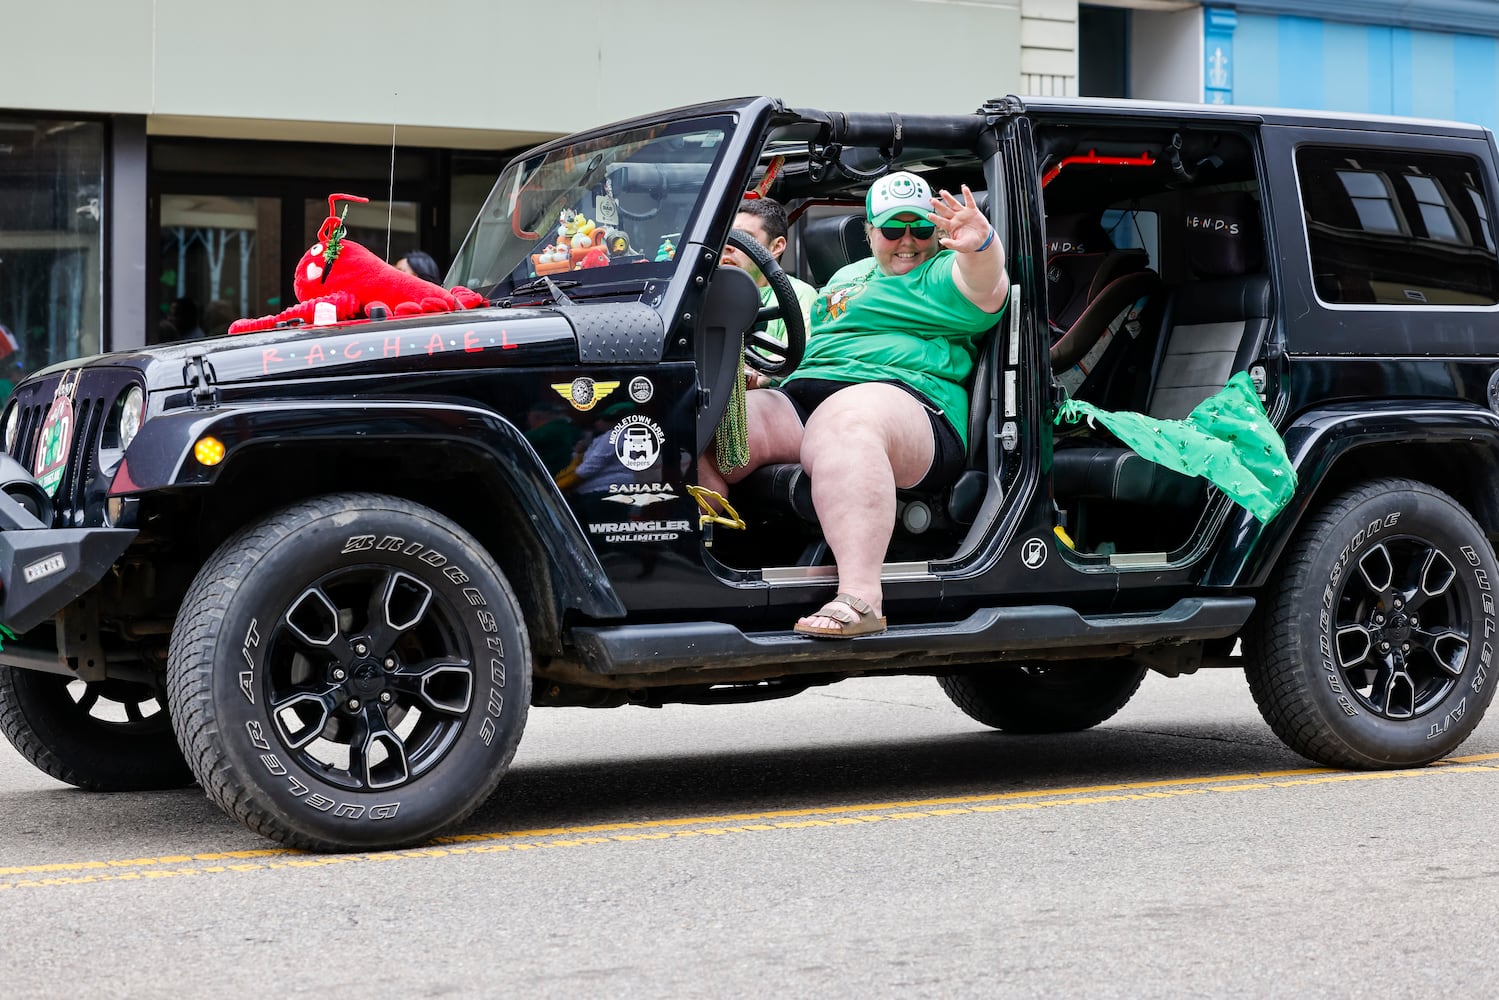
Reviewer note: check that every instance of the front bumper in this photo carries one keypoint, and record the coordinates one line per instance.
(43, 569)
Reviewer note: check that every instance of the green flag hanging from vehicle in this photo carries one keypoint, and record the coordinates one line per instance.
(1226, 440)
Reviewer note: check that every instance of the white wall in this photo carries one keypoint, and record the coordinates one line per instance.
(483, 72)
(1048, 51)
(1166, 55)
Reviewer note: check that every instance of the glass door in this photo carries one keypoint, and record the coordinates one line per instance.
(220, 260)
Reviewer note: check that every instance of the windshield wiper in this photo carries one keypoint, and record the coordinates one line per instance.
(538, 284)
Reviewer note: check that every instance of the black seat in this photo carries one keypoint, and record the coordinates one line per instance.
(1089, 284)
(1212, 328)
(831, 242)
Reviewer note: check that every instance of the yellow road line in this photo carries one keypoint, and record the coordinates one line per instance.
(273, 859)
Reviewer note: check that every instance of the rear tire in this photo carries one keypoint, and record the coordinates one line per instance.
(1034, 698)
(102, 736)
(351, 672)
(1371, 649)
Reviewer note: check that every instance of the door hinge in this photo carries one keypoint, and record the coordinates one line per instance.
(201, 381)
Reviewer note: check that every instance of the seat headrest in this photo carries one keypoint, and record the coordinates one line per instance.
(1224, 234)
(832, 242)
(1080, 233)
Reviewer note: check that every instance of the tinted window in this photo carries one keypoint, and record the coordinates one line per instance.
(1397, 228)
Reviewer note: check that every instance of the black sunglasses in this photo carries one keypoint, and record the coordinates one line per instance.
(918, 230)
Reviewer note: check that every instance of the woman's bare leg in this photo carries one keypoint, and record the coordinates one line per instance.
(859, 447)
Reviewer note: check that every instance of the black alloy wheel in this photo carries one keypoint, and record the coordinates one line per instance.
(102, 736)
(1370, 651)
(353, 673)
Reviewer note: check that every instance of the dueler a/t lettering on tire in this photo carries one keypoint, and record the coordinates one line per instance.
(350, 672)
(1372, 650)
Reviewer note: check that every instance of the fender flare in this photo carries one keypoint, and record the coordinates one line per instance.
(1316, 441)
(161, 457)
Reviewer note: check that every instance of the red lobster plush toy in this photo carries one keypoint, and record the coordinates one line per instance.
(343, 273)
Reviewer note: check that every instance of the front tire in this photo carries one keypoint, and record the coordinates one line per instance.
(1036, 698)
(101, 736)
(1371, 649)
(351, 672)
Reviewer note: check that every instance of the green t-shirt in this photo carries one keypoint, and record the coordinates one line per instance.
(805, 294)
(916, 327)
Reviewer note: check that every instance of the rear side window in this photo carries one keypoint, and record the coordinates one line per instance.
(1397, 228)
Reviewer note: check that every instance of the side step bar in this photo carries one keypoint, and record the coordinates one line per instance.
(712, 647)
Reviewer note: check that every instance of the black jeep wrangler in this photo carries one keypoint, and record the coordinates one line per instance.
(326, 570)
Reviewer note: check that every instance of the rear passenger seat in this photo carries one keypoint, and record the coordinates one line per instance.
(1212, 328)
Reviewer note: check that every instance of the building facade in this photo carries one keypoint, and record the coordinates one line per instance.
(163, 163)
(1434, 59)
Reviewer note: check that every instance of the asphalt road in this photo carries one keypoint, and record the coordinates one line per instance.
(862, 840)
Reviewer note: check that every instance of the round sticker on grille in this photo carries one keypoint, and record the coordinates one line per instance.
(55, 439)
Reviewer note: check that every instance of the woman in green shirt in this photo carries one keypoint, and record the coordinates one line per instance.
(879, 403)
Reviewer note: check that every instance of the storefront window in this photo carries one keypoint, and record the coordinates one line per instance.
(219, 261)
(51, 253)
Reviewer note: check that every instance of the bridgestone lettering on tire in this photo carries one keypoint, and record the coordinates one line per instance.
(351, 672)
(1373, 648)
(1045, 698)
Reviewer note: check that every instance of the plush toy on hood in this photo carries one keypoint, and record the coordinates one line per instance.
(338, 271)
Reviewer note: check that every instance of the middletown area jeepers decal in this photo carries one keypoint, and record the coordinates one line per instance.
(637, 442)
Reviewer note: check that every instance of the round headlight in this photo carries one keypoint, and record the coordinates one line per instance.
(132, 413)
(12, 426)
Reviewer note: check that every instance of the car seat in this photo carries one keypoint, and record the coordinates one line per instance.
(831, 242)
(1213, 327)
(1089, 284)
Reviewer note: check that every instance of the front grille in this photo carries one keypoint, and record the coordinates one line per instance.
(95, 393)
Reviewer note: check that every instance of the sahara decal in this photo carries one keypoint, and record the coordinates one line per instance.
(640, 494)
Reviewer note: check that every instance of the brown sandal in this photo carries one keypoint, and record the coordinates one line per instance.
(856, 615)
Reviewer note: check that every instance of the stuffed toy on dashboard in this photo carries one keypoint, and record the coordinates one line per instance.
(353, 281)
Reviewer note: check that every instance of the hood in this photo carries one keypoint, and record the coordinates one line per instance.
(480, 338)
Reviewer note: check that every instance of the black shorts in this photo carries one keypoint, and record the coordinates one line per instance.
(948, 457)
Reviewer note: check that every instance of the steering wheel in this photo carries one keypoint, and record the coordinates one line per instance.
(757, 343)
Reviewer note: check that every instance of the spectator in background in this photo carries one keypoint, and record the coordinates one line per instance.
(550, 429)
(421, 264)
(217, 316)
(182, 321)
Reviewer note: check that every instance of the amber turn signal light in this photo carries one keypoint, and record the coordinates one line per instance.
(209, 451)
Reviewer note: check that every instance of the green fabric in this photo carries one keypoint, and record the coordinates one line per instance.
(1226, 440)
(805, 294)
(916, 327)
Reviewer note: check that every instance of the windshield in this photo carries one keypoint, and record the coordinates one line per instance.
(592, 214)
